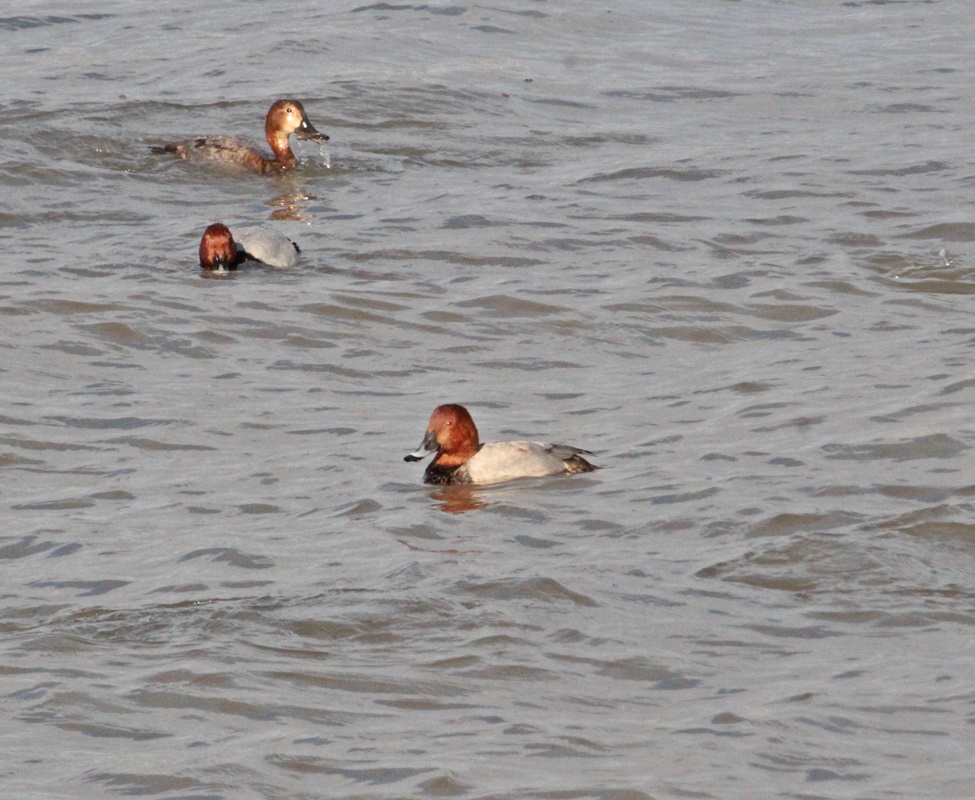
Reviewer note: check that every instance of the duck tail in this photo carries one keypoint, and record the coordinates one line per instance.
(577, 464)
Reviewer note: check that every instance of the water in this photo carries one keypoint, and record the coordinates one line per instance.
(704, 242)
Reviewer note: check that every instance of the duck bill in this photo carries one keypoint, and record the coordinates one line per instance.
(220, 263)
(427, 446)
(308, 131)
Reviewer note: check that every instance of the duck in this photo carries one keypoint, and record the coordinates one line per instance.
(461, 458)
(284, 118)
(221, 250)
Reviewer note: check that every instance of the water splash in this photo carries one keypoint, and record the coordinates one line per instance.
(911, 273)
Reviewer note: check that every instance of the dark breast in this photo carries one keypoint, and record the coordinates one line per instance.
(445, 476)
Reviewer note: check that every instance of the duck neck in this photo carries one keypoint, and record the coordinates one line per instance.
(281, 147)
(460, 453)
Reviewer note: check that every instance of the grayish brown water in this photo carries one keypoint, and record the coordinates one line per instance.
(703, 240)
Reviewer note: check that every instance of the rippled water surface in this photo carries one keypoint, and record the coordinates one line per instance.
(728, 246)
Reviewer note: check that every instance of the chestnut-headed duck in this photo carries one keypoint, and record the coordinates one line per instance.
(284, 118)
(221, 249)
(461, 458)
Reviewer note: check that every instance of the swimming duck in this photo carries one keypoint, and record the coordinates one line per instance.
(284, 118)
(221, 250)
(461, 458)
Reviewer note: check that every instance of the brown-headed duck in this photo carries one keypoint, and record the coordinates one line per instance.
(461, 458)
(285, 117)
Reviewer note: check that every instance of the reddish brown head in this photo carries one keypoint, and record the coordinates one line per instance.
(452, 434)
(284, 118)
(217, 248)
